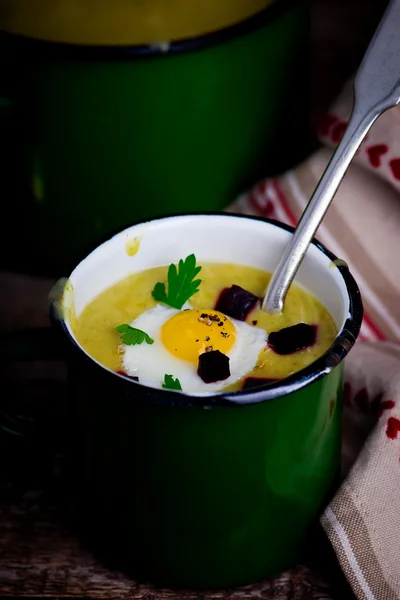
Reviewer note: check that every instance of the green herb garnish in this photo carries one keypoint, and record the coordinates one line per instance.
(171, 384)
(181, 286)
(132, 336)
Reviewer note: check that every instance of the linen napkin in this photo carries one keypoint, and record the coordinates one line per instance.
(362, 227)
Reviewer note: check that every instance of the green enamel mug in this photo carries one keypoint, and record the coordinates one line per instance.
(206, 491)
(101, 135)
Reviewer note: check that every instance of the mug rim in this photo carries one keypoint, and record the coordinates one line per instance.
(70, 50)
(321, 367)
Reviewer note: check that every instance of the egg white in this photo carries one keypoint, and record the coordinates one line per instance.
(150, 362)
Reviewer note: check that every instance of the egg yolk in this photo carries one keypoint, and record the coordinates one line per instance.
(191, 332)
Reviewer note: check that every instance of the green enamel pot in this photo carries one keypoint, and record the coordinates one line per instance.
(100, 136)
(204, 491)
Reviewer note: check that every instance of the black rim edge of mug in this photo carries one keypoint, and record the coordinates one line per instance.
(65, 50)
(341, 346)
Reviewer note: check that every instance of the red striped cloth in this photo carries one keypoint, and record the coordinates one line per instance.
(362, 227)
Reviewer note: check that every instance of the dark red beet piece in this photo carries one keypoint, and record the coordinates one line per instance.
(254, 382)
(126, 375)
(294, 338)
(236, 302)
(213, 366)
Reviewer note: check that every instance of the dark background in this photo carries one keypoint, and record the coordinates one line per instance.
(39, 554)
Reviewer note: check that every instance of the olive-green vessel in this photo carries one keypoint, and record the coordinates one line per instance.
(202, 496)
(211, 491)
(101, 136)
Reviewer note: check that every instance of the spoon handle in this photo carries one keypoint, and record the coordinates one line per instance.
(376, 88)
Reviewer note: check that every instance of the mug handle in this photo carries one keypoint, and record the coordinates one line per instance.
(31, 344)
(25, 345)
(5, 104)
(5, 115)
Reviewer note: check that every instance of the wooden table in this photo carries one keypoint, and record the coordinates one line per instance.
(40, 555)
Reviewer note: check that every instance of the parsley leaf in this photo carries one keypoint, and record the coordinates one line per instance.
(181, 283)
(132, 336)
(171, 384)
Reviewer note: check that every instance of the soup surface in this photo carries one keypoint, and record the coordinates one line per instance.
(177, 338)
(122, 22)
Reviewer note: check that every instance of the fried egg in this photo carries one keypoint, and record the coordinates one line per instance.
(180, 336)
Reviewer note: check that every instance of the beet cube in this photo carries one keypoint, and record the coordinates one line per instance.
(254, 382)
(236, 302)
(213, 366)
(294, 338)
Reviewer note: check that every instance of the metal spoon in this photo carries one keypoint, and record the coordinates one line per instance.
(376, 88)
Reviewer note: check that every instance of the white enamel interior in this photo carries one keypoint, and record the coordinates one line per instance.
(221, 238)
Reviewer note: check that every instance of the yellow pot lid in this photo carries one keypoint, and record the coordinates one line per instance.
(122, 22)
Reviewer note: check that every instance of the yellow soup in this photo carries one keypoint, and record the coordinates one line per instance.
(128, 300)
(122, 22)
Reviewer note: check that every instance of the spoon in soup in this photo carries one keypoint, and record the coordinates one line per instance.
(376, 89)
